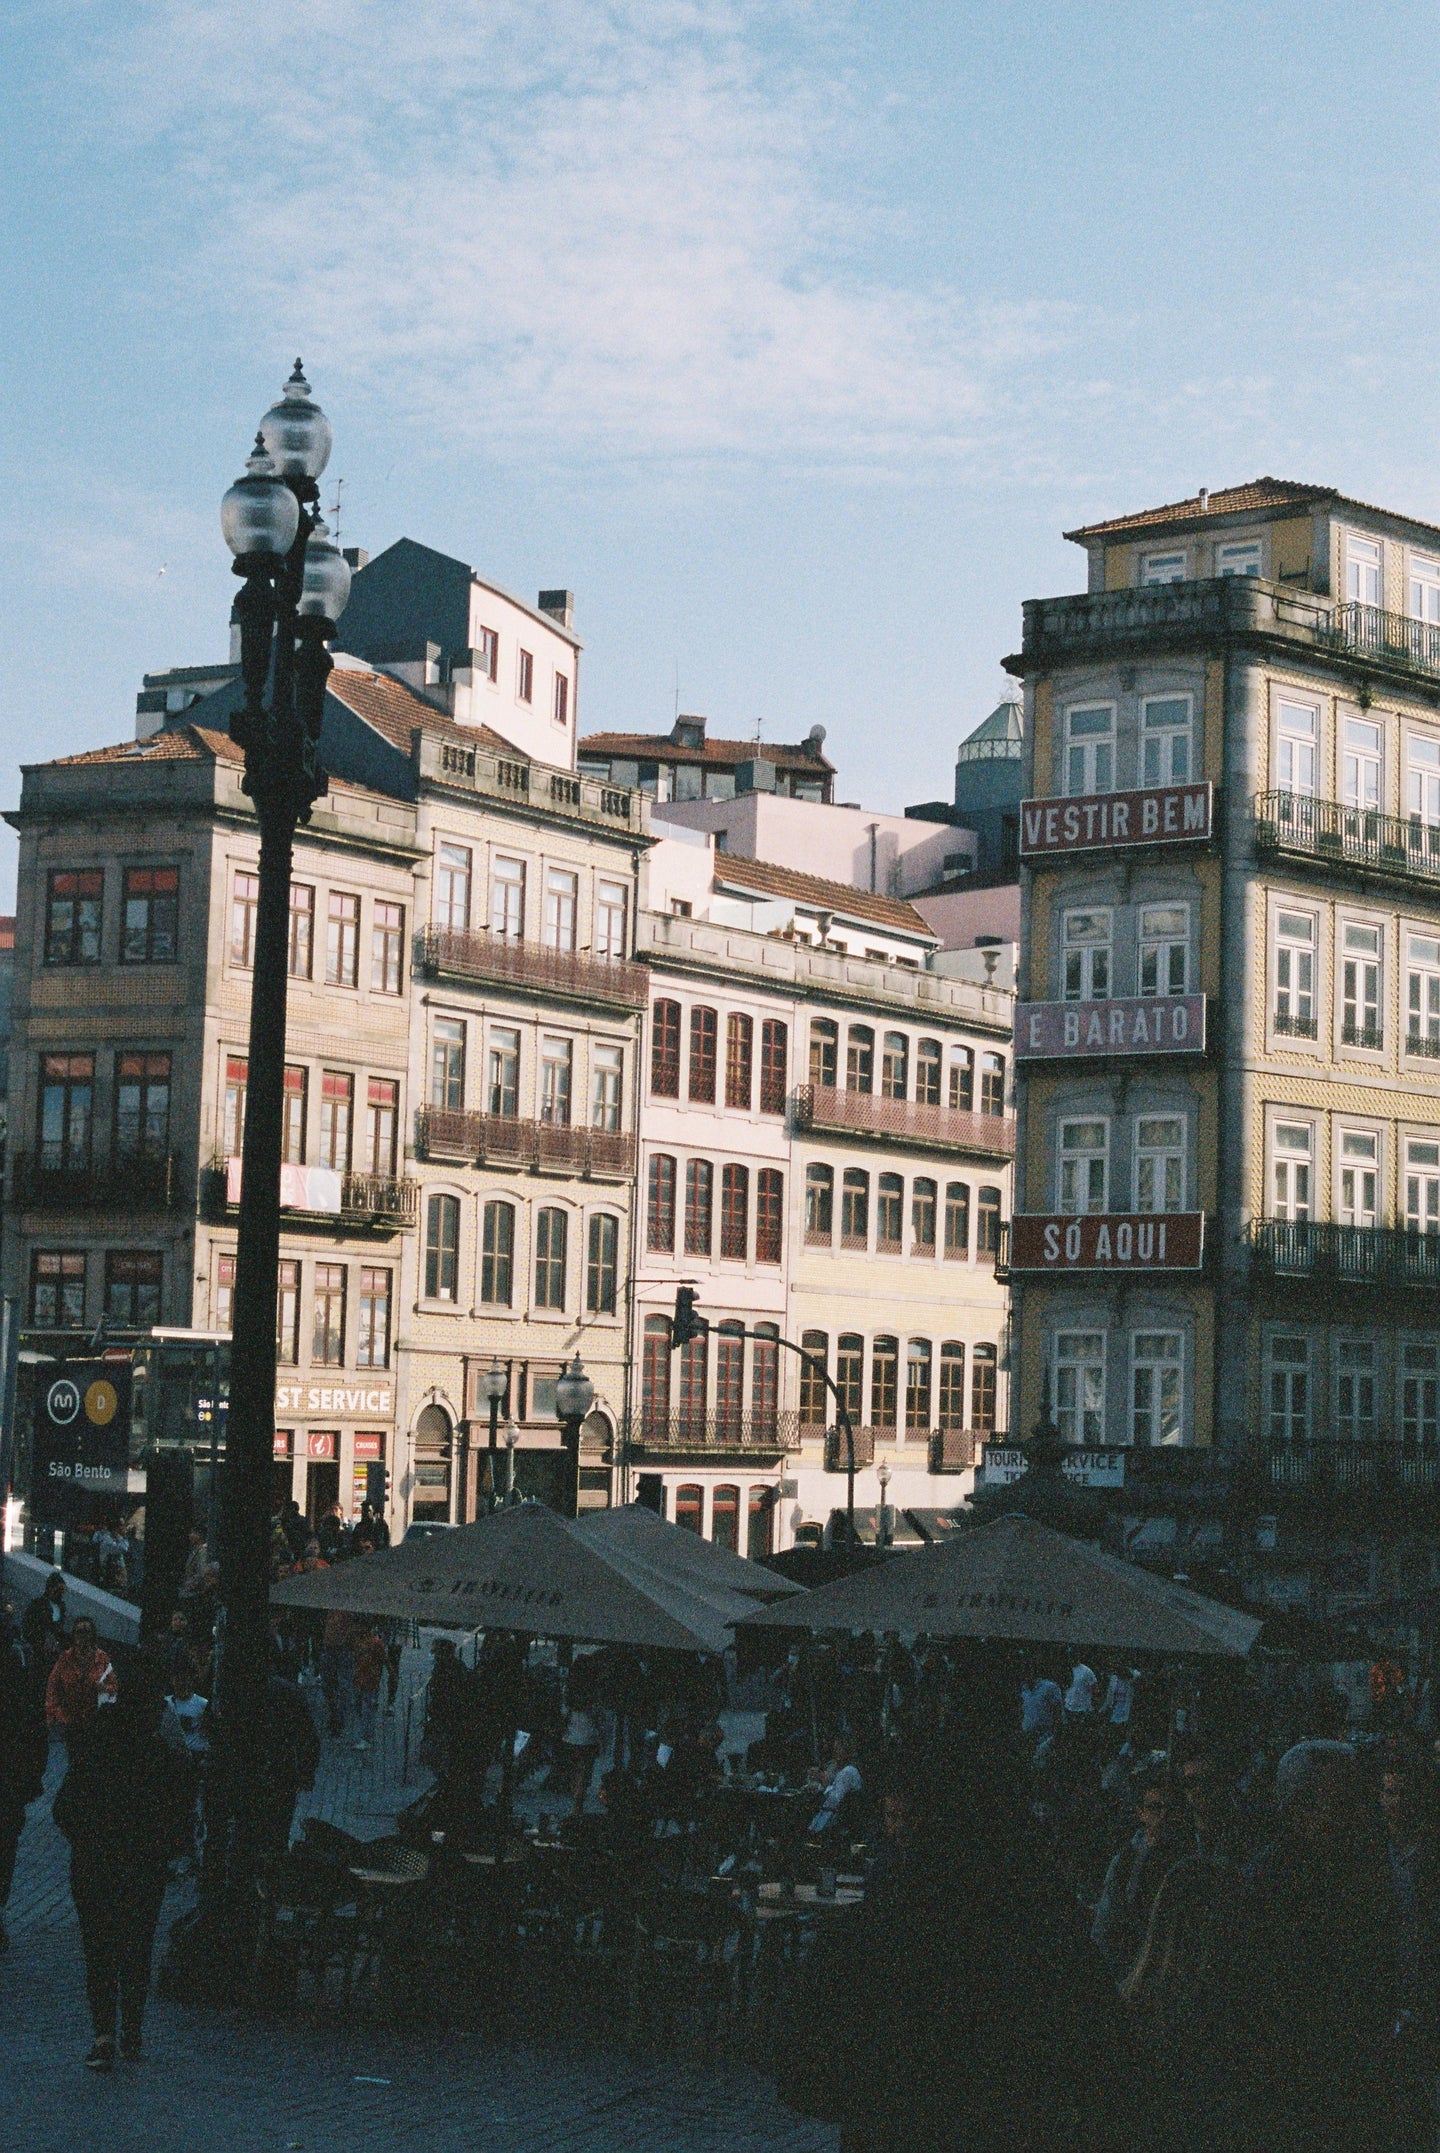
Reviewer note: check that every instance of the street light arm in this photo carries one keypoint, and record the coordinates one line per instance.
(842, 1410)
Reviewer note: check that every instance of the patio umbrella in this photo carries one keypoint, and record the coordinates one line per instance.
(635, 1534)
(1018, 1580)
(523, 1569)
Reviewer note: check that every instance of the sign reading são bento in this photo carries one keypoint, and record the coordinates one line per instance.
(1160, 815)
(1108, 1241)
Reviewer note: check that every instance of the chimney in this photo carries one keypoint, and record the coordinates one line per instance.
(1204, 500)
(356, 556)
(560, 605)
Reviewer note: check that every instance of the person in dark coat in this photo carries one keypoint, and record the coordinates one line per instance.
(42, 1629)
(1308, 1990)
(290, 1760)
(1136, 1874)
(123, 1806)
(24, 1746)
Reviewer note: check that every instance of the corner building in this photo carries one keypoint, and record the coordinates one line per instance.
(1227, 1231)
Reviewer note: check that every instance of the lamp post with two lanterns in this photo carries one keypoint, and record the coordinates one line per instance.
(494, 1384)
(574, 1396)
(294, 589)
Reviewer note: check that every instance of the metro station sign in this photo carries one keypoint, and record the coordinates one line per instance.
(1104, 821)
(1142, 1024)
(1108, 1241)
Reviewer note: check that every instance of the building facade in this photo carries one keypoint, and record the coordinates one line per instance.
(1228, 1187)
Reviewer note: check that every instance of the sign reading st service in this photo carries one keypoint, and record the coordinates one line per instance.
(82, 1435)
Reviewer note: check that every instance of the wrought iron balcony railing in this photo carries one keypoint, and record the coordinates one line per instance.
(1372, 632)
(1344, 1255)
(123, 1184)
(448, 953)
(384, 1200)
(1347, 1470)
(1286, 1025)
(1396, 848)
(716, 1431)
(392, 1198)
(504, 1140)
(904, 1121)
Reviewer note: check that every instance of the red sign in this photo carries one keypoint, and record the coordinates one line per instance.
(282, 1442)
(1144, 1024)
(368, 1446)
(1108, 1241)
(1161, 815)
(319, 1443)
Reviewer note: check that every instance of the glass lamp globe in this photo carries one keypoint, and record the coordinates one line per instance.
(494, 1383)
(296, 431)
(259, 514)
(327, 576)
(574, 1393)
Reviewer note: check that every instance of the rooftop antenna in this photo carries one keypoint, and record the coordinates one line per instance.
(335, 512)
(677, 690)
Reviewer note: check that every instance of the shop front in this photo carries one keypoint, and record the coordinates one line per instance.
(334, 1442)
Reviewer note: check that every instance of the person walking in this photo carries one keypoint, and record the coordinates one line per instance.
(42, 1629)
(367, 1670)
(78, 1680)
(23, 1750)
(1136, 1874)
(123, 1807)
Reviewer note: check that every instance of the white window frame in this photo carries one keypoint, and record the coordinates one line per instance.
(1170, 566)
(1291, 1176)
(607, 1084)
(1160, 1149)
(1359, 1193)
(1077, 1387)
(1362, 984)
(1076, 1163)
(1362, 764)
(1295, 974)
(1297, 747)
(1422, 994)
(507, 897)
(1157, 1388)
(1422, 589)
(1092, 950)
(1364, 559)
(1289, 1402)
(1422, 779)
(1163, 959)
(561, 927)
(1094, 749)
(1420, 1154)
(1238, 557)
(1356, 1379)
(502, 1041)
(1420, 1393)
(557, 1081)
(1173, 739)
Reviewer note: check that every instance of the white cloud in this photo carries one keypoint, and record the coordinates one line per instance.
(565, 230)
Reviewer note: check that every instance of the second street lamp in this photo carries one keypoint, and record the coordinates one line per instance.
(494, 1383)
(574, 1396)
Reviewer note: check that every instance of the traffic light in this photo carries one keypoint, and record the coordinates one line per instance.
(688, 1323)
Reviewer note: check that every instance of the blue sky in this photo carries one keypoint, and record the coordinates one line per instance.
(790, 337)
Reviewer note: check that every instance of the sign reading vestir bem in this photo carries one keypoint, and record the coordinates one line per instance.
(1160, 815)
(82, 1436)
(1108, 1241)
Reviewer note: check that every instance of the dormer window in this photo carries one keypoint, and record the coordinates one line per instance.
(1163, 568)
(1241, 557)
(690, 733)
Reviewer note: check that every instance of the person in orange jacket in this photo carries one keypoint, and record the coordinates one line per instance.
(80, 1677)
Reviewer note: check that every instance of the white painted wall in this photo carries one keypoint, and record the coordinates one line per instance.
(840, 843)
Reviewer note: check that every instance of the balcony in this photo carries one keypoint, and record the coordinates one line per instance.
(956, 1450)
(388, 1203)
(117, 1185)
(837, 1450)
(446, 953)
(1371, 632)
(1355, 840)
(825, 1110)
(511, 778)
(717, 1433)
(1384, 1471)
(503, 1140)
(1333, 1255)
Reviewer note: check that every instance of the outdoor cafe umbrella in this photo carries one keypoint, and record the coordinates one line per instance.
(640, 1538)
(524, 1569)
(1014, 1580)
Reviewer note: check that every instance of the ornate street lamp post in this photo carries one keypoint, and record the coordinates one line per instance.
(294, 590)
(494, 1383)
(574, 1396)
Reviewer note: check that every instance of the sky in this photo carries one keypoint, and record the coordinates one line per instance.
(790, 337)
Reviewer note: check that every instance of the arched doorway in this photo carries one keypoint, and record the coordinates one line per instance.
(434, 1446)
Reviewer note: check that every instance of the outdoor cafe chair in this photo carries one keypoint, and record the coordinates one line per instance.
(684, 1966)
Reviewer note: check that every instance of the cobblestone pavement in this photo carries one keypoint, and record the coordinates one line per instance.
(223, 2082)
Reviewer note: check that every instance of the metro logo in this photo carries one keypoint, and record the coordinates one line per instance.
(1161, 815)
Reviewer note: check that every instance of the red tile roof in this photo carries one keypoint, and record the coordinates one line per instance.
(764, 879)
(398, 712)
(724, 754)
(1259, 493)
(179, 744)
(7, 930)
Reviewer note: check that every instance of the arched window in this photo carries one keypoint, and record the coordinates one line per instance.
(895, 1068)
(739, 1060)
(774, 1065)
(660, 1203)
(665, 1050)
(769, 1214)
(987, 1223)
(983, 1376)
(855, 1208)
(952, 1384)
(497, 1254)
(760, 1531)
(922, 1216)
(655, 1377)
(860, 1058)
(729, 1381)
(890, 1213)
(992, 1083)
(430, 1495)
(765, 1382)
(884, 1381)
(690, 1508)
(819, 1204)
(602, 1264)
(551, 1235)
(957, 1221)
(442, 1248)
(962, 1080)
(917, 1387)
(927, 1073)
(824, 1053)
(699, 1206)
(704, 1049)
(735, 1212)
(725, 1518)
(814, 1392)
